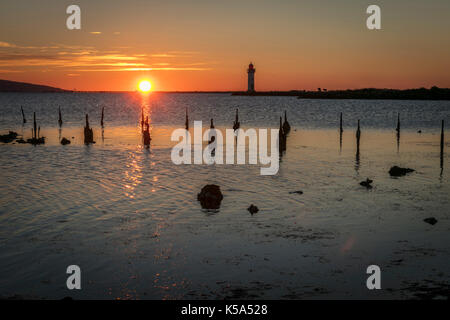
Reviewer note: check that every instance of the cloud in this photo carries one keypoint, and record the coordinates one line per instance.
(6, 45)
(73, 59)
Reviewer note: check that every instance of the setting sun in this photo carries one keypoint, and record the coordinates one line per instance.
(145, 86)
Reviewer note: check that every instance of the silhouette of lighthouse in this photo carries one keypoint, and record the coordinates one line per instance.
(251, 78)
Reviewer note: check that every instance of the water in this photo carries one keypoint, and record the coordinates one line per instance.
(130, 219)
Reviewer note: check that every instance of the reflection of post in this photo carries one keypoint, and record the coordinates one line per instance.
(442, 146)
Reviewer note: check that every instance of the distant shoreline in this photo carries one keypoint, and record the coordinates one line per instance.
(434, 93)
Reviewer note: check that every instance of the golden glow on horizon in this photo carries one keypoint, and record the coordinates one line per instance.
(145, 86)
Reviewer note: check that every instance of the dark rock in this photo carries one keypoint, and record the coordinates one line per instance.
(210, 197)
(65, 141)
(420, 131)
(431, 220)
(7, 138)
(21, 141)
(367, 183)
(397, 171)
(253, 209)
(297, 192)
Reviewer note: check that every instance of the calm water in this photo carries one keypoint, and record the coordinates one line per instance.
(130, 219)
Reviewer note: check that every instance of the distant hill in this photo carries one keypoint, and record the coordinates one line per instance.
(13, 86)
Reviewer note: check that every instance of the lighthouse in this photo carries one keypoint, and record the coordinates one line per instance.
(251, 78)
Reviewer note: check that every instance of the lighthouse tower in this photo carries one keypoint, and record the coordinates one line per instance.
(251, 78)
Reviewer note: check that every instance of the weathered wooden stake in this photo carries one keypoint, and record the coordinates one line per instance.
(282, 137)
(186, 123)
(358, 137)
(88, 132)
(358, 133)
(23, 116)
(442, 138)
(236, 124)
(142, 119)
(286, 125)
(60, 122)
(34, 126)
(103, 115)
(146, 133)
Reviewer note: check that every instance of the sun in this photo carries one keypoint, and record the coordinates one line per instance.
(145, 86)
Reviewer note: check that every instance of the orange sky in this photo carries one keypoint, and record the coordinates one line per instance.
(207, 45)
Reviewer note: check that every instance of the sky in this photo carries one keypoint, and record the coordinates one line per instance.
(206, 45)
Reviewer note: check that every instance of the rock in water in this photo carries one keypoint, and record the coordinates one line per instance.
(366, 183)
(431, 220)
(210, 197)
(253, 209)
(297, 192)
(65, 141)
(7, 138)
(398, 172)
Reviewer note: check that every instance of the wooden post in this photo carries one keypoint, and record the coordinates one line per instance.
(23, 116)
(146, 133)
(398, 123)
(358, 133)
(88, 132)
(282, 137)
(341, 130)
(34, 126)
(442, 144)
(103, 115)
(186, 122)
(358, 137)
(142, 119)
(60, 122)
(236, 123)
